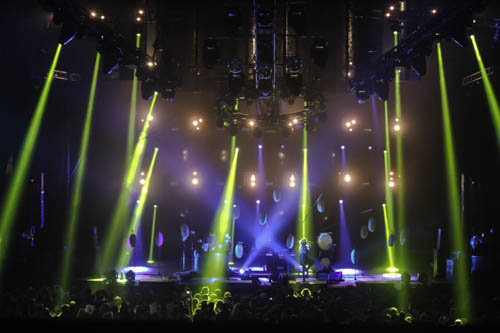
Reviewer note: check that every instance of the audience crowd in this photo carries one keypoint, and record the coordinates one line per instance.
(281, 304)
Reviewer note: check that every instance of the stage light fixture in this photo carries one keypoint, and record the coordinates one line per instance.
(348, 124)
(434, 11)
(392, 183)
(142, 181)
(103, 17)
(251, 123)
(387, 14)
(397, 128)
(253, 180)
(381, 88)
(141, 12)
(138, 19)
(341, 201)
(347, 178)
(257, 202)
(363, 91)
(342, 147)
(391, 8)
(370, 147)
(93, 14)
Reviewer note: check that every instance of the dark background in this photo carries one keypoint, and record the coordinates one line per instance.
(30, 40)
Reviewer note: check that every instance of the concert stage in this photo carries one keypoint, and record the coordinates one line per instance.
(159, 275)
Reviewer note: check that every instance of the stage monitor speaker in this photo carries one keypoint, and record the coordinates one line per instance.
(331, 276)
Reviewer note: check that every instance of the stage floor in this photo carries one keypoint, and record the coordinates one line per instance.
(157, 275)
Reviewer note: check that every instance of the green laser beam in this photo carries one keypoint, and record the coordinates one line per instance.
(214, 266)
(304, 220)
(401, 204)
(456, 228)
(150, 259)
(76, 196)
(117, 228)
(390, 255)
(133, 111)
(124, 258)
(15, 188)
(490, 93)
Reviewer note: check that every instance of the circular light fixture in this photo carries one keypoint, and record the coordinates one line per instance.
(347, 178)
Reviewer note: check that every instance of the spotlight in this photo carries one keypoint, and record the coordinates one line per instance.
(151, 118)
(391, 8)
(295, 121)
(93, 14)
(138, 19)
(292, 181)
(253, 180)
(392, 183)
(363, 91)
(353, 121)
(103, 17)
(342, 147)
(257, 202)
(242, 271)
(387, 14)
(293, 75)
(434, 11)
(195, 123)
(236, 78)
(142, 181)
(251, 123)
(142, 173)
(260, 146)
(370, 147)
(347, 178)
(141, 12)
(341, 201)
(348, 124)
(397, 127)
(195, 181)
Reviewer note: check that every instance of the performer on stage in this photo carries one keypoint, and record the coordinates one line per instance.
(305, 260)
